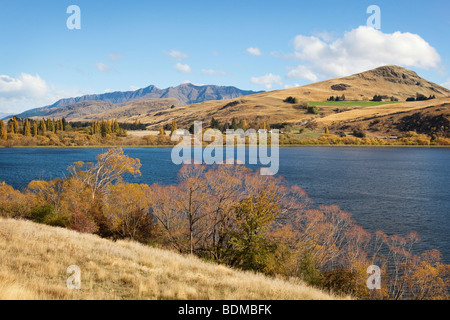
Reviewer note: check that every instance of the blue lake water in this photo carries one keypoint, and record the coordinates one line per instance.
(396, 190)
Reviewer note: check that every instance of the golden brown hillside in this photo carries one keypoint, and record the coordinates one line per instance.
(34, 259)
(388, 81)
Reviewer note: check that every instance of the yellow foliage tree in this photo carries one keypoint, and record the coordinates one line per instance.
(109, 168)
(3, 131)
(127, 210)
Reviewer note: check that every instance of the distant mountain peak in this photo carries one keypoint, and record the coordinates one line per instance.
(186, 93)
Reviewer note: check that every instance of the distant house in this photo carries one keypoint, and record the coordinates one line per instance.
(393, 137)
(381, 137)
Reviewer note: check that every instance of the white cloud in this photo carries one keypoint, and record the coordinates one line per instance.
(177, 54)
(102, 67)
(267, 80)
(254, 51)
(26, 92)
(361, 49)
(25, 85)
(213, 72)
(302, 72)
(183, 68)
(115, 56)
(324, 35)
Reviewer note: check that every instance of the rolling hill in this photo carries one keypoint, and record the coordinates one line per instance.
(188, 103)
(34, 259)
(91, 104)
(387, 81)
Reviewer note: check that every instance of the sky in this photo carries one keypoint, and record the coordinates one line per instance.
(252, 45)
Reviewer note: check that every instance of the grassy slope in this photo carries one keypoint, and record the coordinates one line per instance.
(269, 106)
(34, 259)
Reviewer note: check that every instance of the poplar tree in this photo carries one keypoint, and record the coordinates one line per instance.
(3, 131)
(42, 127)
(59, 125)
(35, 129)
(244, 125)
(173, 127)
(27, 128)
(93, 128)
(116, 126)
(50, 126)
(234, 124)
(11, 126)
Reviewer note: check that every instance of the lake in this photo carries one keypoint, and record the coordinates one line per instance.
(396, 190)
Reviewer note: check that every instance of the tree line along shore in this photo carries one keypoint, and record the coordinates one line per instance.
(61, 133)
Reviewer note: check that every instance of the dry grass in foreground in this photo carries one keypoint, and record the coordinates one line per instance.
(34, 259)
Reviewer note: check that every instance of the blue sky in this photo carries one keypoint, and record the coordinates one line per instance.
(259, 45)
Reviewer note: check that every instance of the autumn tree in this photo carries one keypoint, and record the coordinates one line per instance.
(42, 129)
(116, 127)
(77, 205)
(127, 209)
(244, 125)
(35, 129)
(173, 127)
(110, 167)
(3, 131)
(59, 125)
(49, 125)
(13, 203)
(428, 278)
(13, 125)
(27, 128)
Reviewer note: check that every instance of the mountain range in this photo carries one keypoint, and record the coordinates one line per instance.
(90, 104)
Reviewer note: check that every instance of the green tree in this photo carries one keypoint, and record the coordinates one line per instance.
(234, 124)
(254, 216)
(215, 124)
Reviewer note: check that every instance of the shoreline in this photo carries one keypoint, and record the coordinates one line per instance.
(240, 146)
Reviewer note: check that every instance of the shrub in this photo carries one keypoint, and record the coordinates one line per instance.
(377, 98)
(313, 109)
(39, 214)
(359, 133)
(291, 100)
